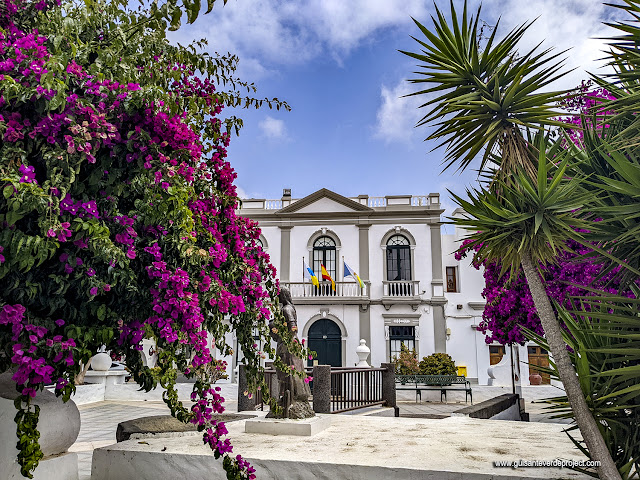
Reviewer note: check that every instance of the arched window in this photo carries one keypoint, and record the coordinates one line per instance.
(398, 258)
(259, 242)
(324, 252)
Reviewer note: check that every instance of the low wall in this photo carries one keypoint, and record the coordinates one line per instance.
(355, 447)
(503, 407)
(88, 393)
(130, 392)
(125, 392)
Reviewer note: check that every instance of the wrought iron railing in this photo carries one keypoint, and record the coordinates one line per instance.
(355, 388)
(351, 388)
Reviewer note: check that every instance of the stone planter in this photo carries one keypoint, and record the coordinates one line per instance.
(101, 362)
(59, 425)
(535, 379)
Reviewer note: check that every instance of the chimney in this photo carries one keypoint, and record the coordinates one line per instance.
(286, 197)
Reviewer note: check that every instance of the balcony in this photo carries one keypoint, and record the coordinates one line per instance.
(345, 292)
(401, 292)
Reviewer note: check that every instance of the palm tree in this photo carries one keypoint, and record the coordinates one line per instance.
(485, 100)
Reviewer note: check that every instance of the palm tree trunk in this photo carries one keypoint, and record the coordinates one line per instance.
(553, 333)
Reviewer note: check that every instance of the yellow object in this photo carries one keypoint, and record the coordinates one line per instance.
(462, 370)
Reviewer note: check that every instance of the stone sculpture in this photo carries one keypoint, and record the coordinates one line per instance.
(294, 393)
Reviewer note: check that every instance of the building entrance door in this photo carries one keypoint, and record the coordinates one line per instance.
(326, 340)
(538, 357)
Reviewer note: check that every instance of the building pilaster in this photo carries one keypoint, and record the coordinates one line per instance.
(437, 290)
(363, 249)
(285, 252)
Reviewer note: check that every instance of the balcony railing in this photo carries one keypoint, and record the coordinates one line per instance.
(431, 200)
(401, 288)
(343, 289)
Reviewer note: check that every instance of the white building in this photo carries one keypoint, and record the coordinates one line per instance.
(415, 291)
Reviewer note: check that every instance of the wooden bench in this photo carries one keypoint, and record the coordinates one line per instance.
(434, 382)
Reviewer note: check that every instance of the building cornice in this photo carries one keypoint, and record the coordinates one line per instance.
(430, 217)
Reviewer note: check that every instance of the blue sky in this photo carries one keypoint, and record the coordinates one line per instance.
(336, 63)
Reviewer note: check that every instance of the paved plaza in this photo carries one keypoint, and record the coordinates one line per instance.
(100, 419)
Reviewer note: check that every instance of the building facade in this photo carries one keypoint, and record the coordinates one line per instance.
(414, 290)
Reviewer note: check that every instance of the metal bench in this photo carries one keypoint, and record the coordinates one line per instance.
(435, 382)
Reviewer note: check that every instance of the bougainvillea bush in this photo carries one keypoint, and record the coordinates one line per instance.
(509, 304)
(117, 210)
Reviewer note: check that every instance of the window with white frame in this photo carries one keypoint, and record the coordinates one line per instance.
(452, 279)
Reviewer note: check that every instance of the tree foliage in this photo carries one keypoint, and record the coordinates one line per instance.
(117, 209)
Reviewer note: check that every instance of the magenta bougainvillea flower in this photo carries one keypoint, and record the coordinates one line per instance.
(125, 215)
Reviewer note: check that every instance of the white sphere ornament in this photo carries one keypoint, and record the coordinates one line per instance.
(101, 362)
(363, 352)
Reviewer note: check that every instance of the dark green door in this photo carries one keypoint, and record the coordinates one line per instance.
(325, 339)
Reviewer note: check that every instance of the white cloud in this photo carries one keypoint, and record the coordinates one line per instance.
(273, 129)
(241, 192)
(269, 33)
(562, 24)
(273, 32)
(342, 25)
(573, 25)
(397, 115)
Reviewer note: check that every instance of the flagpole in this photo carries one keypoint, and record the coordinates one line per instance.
(304, 291)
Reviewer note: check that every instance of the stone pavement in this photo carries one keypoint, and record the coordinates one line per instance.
(99, 423)
(358, 448)
(100, 419)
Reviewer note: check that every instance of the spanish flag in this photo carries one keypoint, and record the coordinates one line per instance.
(326, 276)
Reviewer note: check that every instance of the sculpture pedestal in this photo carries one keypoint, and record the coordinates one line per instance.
(306, 427)
(108, 378)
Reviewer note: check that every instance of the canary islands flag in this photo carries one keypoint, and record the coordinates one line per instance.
(308, 273)
(350, 272)
(326, 276)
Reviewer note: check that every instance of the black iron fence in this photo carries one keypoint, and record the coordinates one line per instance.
(337, 389)
(355, 388)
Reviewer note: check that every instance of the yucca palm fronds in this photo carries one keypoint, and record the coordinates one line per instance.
(624, 84)
(526, 221)
(521, 214)
(603, 332)
(484, 96)
(614, 171)
(486, 100)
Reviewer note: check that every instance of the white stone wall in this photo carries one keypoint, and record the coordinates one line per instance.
(465, 344)
(272, 236)
(348, 247)
(421, 255)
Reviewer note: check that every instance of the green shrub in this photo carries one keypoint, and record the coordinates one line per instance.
(438, 364)
(407, 362)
